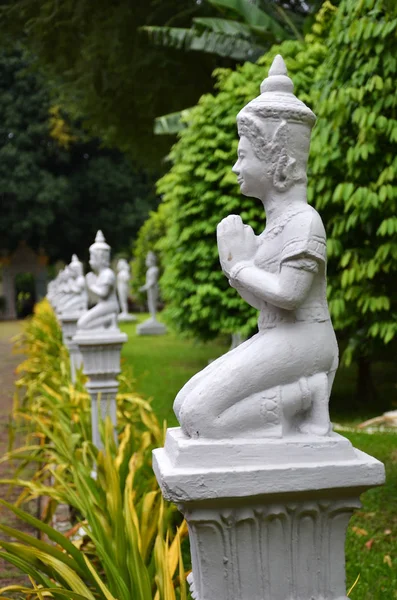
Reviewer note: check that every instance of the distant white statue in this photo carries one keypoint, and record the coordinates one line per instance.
(102, 284)
(123, 288)
(279, 381)
(51, 290)
(59, 294)
(151, 326)
(75, 298)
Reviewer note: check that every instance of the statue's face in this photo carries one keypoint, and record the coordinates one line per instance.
(73, 270)
(250, 170)
(95, 261)
(122, 265)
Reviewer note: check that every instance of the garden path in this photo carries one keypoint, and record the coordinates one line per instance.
(9, 575)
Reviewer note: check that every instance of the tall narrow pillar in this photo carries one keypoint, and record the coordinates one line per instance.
(100, 350)
(69, 328)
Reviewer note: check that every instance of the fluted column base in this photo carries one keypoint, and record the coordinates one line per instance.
(267, 518)
(69, 328)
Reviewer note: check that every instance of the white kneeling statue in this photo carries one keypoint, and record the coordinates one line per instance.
(99, 339)
(101, 282)
(123, 289)
(151, 326)
(75, 297)
(279, 381)
(265, 484)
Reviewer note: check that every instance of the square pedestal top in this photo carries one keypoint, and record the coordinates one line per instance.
(197, 469)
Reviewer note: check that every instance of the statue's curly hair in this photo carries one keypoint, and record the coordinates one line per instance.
(272, 149)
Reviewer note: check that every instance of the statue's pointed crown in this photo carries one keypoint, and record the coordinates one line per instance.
(277, 99)
(100, 242)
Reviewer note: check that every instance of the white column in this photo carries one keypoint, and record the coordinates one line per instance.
(100, 350)
(69, 328)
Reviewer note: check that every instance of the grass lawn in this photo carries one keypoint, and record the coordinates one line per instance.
(371, 546)
(162, 365)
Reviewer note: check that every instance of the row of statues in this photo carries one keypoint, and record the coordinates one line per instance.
(70, 291)
(278, 382)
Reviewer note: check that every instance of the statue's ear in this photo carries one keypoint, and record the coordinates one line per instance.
(285, 164)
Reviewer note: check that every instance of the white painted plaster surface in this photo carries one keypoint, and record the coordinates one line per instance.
(123, 290)
(100, 350)
(101, 282)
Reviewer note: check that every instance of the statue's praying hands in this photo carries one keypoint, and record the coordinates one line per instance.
(237, 243)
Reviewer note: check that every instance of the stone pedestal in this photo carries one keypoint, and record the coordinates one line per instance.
(151, 327)
(126, 318)
(69, 328)
(100, 350)
(267, 517)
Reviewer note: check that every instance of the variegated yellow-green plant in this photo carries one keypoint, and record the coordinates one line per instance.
(130, 547)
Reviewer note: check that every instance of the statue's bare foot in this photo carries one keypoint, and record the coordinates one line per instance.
(315, 428)
(317, 421)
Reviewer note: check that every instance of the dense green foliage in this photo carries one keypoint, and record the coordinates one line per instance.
(349, 84)
(354, 171)
(57, 187)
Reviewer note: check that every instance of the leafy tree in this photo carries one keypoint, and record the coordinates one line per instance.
(107, 74)
(244, 36)
(56, 187)
(246, 30)
(353, 183)
(349, 83)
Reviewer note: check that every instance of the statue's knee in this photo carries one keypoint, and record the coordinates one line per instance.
(81, 322)
(194, 416)
(179, 400)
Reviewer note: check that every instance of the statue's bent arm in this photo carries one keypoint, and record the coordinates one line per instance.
(102, 291)
(151, 280)
(287, 289)
(249, 297)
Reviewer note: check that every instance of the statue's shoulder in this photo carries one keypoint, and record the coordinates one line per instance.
(107, 276)
(122, 276)
(306, 221)
(153, 270)
(304, 235)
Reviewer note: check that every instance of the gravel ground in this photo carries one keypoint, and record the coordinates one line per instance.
(9, 575)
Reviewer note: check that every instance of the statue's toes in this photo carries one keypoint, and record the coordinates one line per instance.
(319, 429)
(191, 417)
